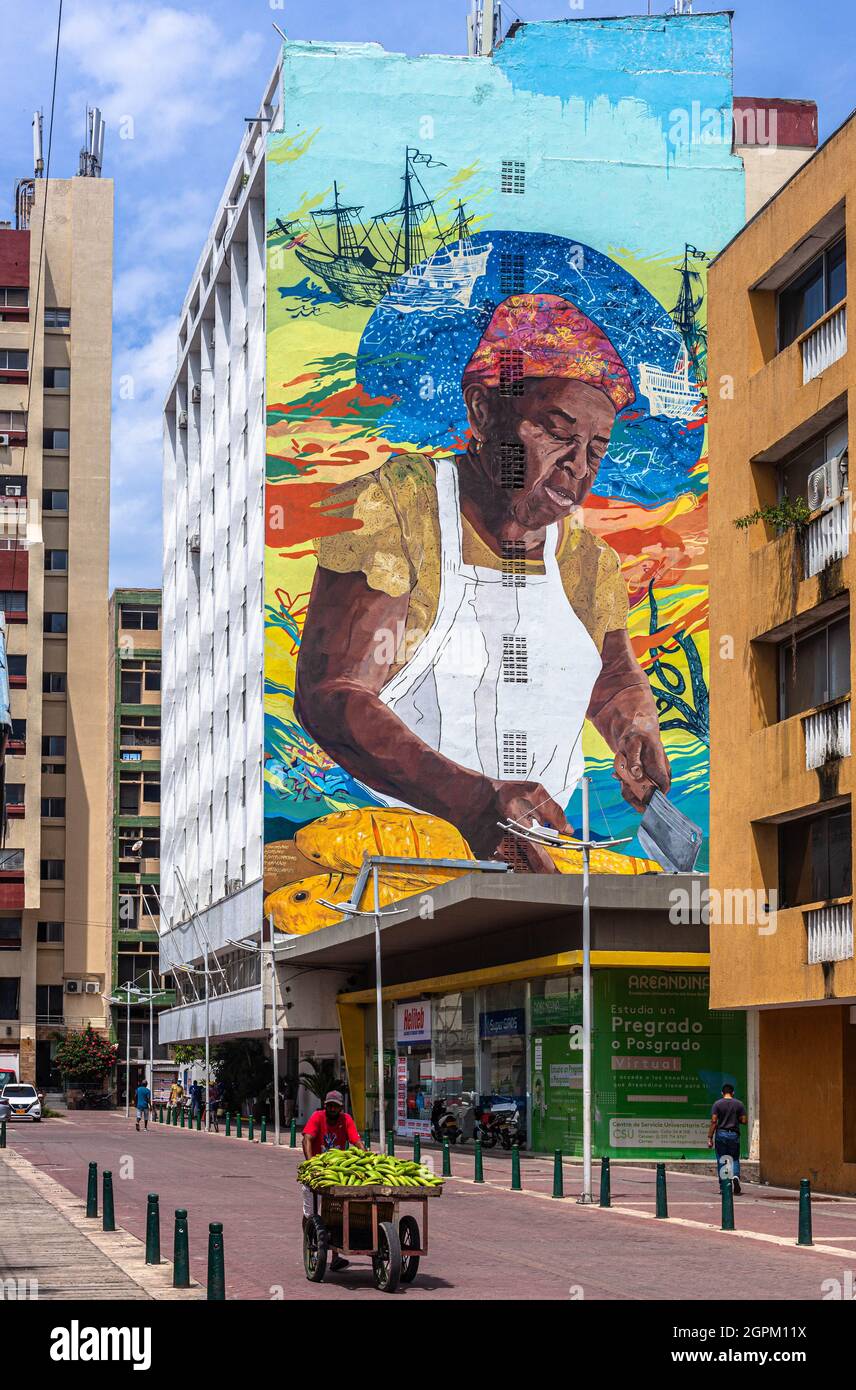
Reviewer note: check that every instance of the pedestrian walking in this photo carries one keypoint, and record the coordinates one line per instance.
(195, 1100)
(143, 1103)
(727, 1115)
(176, 1093)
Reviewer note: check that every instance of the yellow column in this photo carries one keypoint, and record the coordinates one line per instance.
(352, 1023)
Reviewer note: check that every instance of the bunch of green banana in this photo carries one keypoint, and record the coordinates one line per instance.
(362, 1168)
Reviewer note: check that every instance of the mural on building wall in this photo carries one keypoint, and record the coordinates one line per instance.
(486, 539)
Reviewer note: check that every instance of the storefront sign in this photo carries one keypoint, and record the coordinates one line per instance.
(502, 1024)
(413, 1022)
(557, 1010)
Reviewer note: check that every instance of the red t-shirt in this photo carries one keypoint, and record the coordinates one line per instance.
(326, 1136)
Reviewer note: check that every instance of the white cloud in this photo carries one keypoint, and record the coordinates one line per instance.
(162, 67)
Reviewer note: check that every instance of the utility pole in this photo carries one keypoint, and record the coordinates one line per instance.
(585, 1196)
(274, 1034)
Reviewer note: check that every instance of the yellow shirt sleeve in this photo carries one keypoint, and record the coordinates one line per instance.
(612, 602)
(376, 545)
(592, 579)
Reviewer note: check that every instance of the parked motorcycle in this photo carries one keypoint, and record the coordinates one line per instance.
(444, 1124)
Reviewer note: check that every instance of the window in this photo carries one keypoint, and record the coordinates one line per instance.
(13, 486)
(11, 861)
(794, 471)
(512, 464)
(53, 682)
(19, 731)
(53, 869)
(818, 288)
(153, 676)
(57, 378)
(511, 272)
(513, 176)
(50, 933)
(814, 858)
(139, 730)
(815, 669)
(513, 556)
(56, 561)
(510, 372)
(13, 422)
(14, 296)
(10, 933)
(55, 500)
(138, 619)
(14, 360)
(17, 667)
(9, 997)
(515, 659)
(49, 1004)
(56, 623)
(15, 793)
(138, 907)
(130, 836)
(53, 807)
(129, 796)
(55, 439)
(13, 600)
(53, 745)
(57, 318)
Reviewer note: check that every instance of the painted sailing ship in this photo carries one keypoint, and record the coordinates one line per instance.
(677, 393)
(363, 263)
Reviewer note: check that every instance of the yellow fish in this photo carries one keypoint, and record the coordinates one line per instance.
(339, 841)
(297, 909)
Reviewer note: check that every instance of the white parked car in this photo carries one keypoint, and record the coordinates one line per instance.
(24, 1101)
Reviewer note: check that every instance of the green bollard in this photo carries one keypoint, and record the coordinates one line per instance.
(558, 1175)
(92, 1191)
(478, 1175)
(160, 1116)
(417, 1149)
(447, 1160)
(216, 1263)
(516, 1185)
(727, 1204)
(2, 1134)
(390, 1143)
(804, 1227)
(181, 1122)
(180, 1252)
(108, 1217)
(367, 1138)
(239, 1128)
(198, 1122)
(263, 1135)
(292, 1135)
(662, 1210)
(153, 1255)
(250, 1129)
(169, 1114)
(228, 1124)
(605, 1185)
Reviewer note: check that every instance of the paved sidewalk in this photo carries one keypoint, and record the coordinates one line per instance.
(485, 1241)
(52, 1251)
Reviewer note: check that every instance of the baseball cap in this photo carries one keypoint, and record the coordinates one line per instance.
(334, 1098)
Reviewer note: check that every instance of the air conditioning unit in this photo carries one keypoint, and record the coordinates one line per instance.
(138, 1053)
(196, 394)
(182, 420)
(91, 987)
(4, 441)
(194, 544)
(74, 986)
(826, 484)
(233, 885)
(13, 490)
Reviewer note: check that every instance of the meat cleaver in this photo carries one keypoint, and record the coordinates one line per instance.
(667, 835)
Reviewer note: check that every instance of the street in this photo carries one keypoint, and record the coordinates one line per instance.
(486, 1242)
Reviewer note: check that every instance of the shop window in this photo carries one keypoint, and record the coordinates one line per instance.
(815, 858)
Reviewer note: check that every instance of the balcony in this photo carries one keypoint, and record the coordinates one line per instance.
(827, 537)
(827, 734)
(824, 343)
(830, 933)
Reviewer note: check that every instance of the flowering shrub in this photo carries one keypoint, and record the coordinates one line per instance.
(85, 1056)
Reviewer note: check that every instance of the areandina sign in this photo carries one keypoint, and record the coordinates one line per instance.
(413, 1022)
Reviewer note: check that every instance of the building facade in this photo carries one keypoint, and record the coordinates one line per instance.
(463, 560)
(780, 691)
(55, 372)
(134, 856)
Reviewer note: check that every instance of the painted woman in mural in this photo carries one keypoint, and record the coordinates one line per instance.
(466, 623)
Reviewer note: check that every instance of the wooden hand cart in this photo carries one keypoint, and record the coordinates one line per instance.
(366, 1221)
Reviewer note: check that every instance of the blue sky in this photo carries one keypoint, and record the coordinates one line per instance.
(186, 73)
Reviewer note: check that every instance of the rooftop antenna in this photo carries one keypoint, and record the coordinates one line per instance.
(484, 27)
(92, 155)
(38, 161)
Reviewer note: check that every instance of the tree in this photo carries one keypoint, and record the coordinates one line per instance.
(243, 1071)
(85, 1056)
(324, 1077)
(185, 1054)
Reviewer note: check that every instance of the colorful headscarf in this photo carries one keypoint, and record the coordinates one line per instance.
(553, 339)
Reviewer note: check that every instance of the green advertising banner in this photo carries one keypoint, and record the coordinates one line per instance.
(659, 1060)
